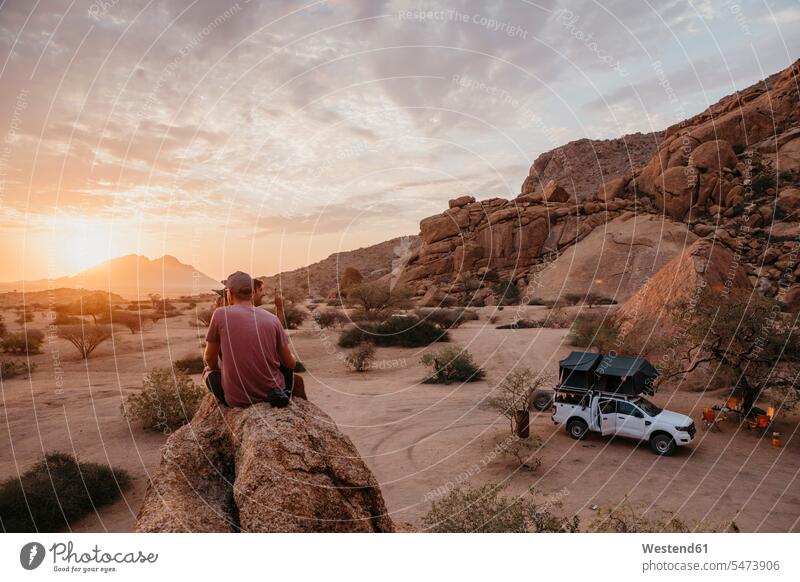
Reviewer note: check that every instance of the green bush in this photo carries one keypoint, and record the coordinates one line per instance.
(354, 336)
(452, 364)
(57, 491)
(24, 342)
(522, 324)
(166, 402)
(403, 331)
(447, 318)
(190, 364)
(12, 368)
(507, 293)
(484, 510)
(326, 318)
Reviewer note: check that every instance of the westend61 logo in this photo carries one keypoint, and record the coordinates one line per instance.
(66, 559)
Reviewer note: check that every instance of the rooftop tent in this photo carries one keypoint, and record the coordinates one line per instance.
(577, 370)
(625, 375)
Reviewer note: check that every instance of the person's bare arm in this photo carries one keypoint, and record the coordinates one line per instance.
(286, 357)
(211, 355)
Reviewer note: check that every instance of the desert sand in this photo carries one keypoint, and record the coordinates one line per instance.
(415, 437)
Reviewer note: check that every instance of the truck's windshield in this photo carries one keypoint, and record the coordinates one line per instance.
(648, 407)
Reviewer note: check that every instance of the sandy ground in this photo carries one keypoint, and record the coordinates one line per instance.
(417, 438)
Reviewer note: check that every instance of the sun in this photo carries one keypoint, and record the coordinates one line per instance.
(88, 245)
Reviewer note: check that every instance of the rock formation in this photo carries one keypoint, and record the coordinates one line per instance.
(704, 264)
(614, 260)
(322, 277)
(729, 174)
(581, 166)
(262, 469)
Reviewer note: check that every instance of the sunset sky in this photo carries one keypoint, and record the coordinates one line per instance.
(264, 135)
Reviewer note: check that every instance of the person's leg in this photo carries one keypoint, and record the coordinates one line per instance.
(299, 387)
(294, 383)
(213, 381)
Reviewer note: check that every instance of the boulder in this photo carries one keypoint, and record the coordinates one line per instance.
(262, 469)
(553, 192)
(613, 188)
(676, 185)
(789, 201)
(712, 156)
(614, 259)
(438, 227)
(789, 156)
(461, 201)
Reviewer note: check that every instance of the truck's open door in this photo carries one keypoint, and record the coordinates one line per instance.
(607, 416)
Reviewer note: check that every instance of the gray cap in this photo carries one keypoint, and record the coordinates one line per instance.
(239, 282)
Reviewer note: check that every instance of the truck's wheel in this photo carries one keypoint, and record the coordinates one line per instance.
(662, 444)
(542, 401)
(577, 428)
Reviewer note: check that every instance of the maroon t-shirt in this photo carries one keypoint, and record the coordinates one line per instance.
(249, 340)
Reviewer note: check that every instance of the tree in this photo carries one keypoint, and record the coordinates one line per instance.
(133, 321)
(155, 300)
(351, 278)
(513, 397)
(377, 299)
(746, 334)
(85, 338)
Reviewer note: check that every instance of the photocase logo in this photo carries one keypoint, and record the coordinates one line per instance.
(31, 555)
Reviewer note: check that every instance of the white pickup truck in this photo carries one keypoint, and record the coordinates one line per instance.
(636, 418)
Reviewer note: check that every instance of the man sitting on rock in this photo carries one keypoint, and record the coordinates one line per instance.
(254, 347)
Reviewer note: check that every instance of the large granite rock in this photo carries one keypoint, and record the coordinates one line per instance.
(262, 469)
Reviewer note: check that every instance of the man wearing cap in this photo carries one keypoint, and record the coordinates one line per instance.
(254, 346)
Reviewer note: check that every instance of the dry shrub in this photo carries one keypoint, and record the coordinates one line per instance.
(629, 518)
(360, 359)
(515, 393)
(13, 368)
(484, 510)
(167, 400)
(27, 342)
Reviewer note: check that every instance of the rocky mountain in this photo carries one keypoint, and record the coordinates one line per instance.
(227, 472)
(730, 174)
(323, 276)
(130, 276)
(581, 165)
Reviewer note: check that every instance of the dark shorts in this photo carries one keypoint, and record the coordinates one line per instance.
(278, 396)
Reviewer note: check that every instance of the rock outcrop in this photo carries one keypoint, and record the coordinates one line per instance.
(704, 264)
(698, 168)
(614, 260)
(262, 469)
(582, 166)
(729, 174)
(323, 277)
